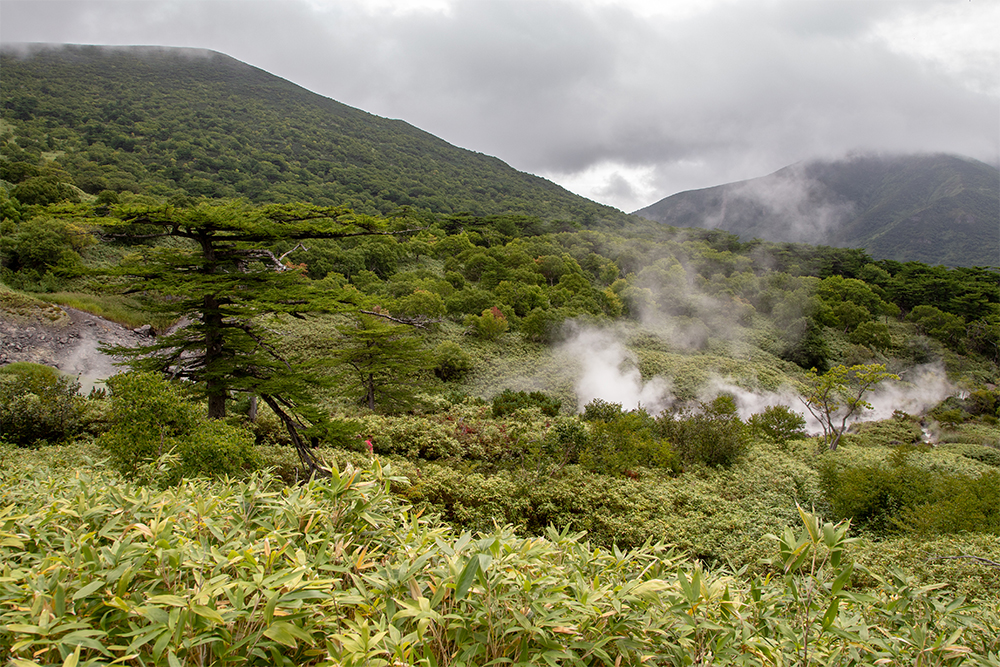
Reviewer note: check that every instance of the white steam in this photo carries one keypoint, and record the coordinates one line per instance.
(608, 372)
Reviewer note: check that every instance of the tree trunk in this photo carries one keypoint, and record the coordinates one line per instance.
(215, 388)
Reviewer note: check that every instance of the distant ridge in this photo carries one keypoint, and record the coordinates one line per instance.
(936, 209)
(164, 120)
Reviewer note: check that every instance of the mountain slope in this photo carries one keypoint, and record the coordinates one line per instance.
(937, 209)
(166, 120)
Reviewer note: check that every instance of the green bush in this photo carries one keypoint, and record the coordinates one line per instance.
(900, 496)
(714, 436)
(625, 443)
(871, 334)
(778, 423)
(874, 496)
(508, 401)
(489, 325)
(542, 325)
(600, 410)
(214, 449)
(38, 405)
(451, 361)
(151, 418)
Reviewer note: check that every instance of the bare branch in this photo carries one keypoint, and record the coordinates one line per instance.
(420, 321)
(991, 563)
(282, 258)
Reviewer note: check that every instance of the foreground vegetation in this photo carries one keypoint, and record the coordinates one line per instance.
(98, 570)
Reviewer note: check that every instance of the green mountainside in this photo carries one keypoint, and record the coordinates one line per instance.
(937, 209)
(165, 121)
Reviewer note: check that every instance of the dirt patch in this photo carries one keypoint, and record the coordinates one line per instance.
(67, 339)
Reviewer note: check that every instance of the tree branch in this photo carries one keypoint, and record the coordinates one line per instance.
(420, 321)
(991, 563)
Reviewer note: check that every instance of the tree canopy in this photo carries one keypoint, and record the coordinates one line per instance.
(215, 269)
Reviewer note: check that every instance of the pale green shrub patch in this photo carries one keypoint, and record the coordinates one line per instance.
(95, 570)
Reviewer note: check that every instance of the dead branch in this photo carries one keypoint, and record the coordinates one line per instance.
(420, 321)
(991, 563)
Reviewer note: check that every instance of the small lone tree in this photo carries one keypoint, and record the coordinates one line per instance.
(214, 265)
(379, 363)
(838, 394)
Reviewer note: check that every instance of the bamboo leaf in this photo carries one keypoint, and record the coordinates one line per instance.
(88, 589)
(467, 576)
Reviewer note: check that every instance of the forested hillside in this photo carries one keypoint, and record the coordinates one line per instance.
(937, 209)
(357, 433)
(198, 123)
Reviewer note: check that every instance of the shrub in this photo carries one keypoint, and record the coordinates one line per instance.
(38, 404)
(150, 418)
(627, 442)
(600, 410)
(489, 325)
(451, 362)
(542, 325)
(715, 436)
(871, 334)
(778, 423)
(214, 449)
(422, 303)
(874, 495)
(508, 401)
(902, 496)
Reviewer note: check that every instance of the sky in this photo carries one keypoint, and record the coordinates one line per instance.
(622, 101)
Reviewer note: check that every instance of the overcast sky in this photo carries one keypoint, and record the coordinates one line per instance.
(624, 102)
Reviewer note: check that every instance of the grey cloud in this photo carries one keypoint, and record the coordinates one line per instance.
(555, 86)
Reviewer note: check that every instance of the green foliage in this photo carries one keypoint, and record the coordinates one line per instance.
(839, 393)
(937, 324)
(378, 364)
(625, 443)
(421, 304)
(489, 325)
(38, 405)
(901, 495)
(451, 361)
(152, 420)
(872, 334)
(807, 347)
(509, 401)
(777, 423)
(714, 436)
(601, 410)
(41, 190)
(542, 325)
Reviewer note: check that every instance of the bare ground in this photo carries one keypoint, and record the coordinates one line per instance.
(67, 339)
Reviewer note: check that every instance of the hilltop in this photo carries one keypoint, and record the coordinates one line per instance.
(936, 209)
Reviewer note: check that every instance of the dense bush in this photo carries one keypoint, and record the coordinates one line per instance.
(489, 325)
(625, 443)
(777, 423)
(509, 401)
(451, 362)
(601, 410)
(38, 405)
(151, 418)
(902, 496)
(714, 435)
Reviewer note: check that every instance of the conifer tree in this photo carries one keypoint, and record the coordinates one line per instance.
(213, 267)
(379, 362)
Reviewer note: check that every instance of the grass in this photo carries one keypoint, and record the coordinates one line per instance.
(122, 310)
(20, 304)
